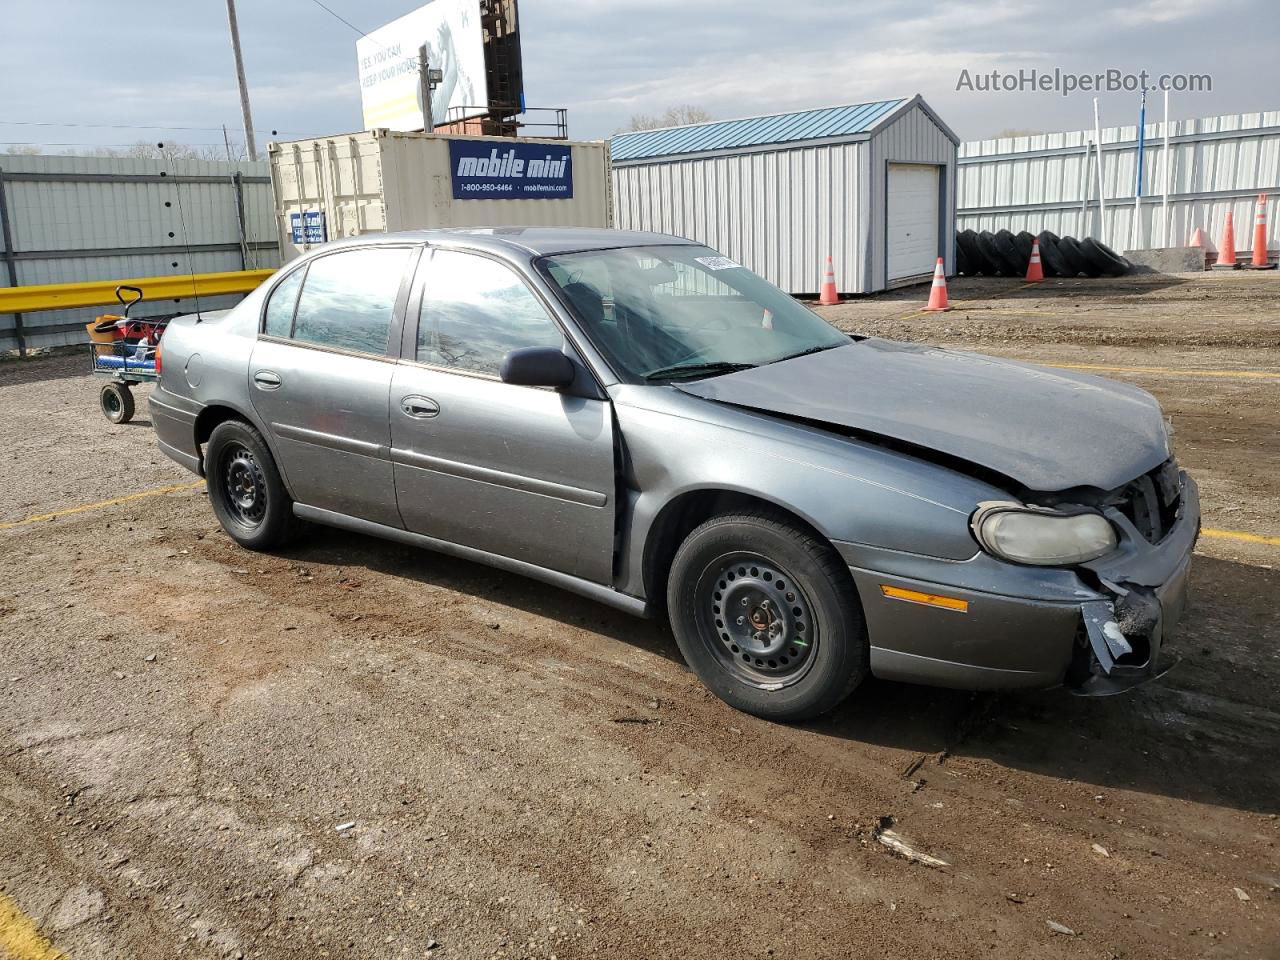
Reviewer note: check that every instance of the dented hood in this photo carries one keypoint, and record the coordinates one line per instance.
(1046, 429)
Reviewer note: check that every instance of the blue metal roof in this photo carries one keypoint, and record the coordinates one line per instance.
(753, 131)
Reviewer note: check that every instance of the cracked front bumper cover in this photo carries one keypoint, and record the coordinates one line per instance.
(1122, 638)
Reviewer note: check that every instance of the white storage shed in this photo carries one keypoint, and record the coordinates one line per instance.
(871, 185)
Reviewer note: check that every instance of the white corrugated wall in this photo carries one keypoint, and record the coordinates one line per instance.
(780, 213)
(1217, 164)
(109, 214)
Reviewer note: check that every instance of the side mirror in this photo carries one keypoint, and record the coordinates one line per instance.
(537, 367)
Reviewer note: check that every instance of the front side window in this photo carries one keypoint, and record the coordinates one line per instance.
(348, 299)
(474, 311)
(682, 311)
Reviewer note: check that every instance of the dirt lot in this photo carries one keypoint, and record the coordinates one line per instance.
(184, 725)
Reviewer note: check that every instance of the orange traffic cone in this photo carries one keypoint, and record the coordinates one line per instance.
(1035, 272)
(1197, 238)
(1227, 252)
(938, 294)
(1259, 261)
(829, 295)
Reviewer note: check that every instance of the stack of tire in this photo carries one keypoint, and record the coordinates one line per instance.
(1006, 254)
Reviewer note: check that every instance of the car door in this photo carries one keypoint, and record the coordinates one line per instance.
(320, 376)
(522, 472)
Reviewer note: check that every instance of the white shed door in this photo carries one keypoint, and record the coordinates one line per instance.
(912, 215)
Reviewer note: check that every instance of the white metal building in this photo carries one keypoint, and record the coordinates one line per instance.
(871, 185)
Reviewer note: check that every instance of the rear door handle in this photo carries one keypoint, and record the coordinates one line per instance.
(420, 408)
(267, 380)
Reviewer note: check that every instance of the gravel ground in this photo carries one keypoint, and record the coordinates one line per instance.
(185, 727)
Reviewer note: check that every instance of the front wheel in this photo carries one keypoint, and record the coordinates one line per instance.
(766, 615)
(245, 488)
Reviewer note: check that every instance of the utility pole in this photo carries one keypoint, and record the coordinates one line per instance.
(244, 87)
(428, 80)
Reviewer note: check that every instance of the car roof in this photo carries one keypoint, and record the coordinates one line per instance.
(529, 240)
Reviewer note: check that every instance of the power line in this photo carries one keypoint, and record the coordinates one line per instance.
(116, 126)
(344, 20)
(339, 17)
(66, 143)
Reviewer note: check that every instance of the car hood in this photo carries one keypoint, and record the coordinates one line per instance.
(1046, 429)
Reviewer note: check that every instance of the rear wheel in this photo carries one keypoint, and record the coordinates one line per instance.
(766, 615)
(116, 401)
(245, 488)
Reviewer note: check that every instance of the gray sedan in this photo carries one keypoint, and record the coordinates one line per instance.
(641, 420)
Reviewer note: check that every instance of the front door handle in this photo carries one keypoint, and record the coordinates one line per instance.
(420, 408)
(267, 380)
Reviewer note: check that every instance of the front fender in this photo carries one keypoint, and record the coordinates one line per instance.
(849, 490)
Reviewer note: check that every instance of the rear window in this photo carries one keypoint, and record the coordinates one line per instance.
(279, 319)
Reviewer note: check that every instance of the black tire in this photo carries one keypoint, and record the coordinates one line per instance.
(245, 489)
(967, 244)
(1071, 255)
(1104, 258)
(992, 262)
(1024, 243)
(1050, 258)
(798, 647)
(963, 266)
(1014, 265)
(116, 402)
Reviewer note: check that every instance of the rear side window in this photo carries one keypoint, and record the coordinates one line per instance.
(348, 299)
(475, 310)
(279, 319)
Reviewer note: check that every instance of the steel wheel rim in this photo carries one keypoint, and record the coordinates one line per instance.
(244, 488)
(756, 620)
(111, 402)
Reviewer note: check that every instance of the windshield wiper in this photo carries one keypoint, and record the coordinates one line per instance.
(808, 350)
(710, 369)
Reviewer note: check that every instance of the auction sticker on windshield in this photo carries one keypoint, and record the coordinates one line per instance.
(717, 263)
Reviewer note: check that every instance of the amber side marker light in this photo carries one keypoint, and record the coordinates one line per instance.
(928, 599)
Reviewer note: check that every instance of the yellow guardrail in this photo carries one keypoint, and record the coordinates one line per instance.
(62, 296)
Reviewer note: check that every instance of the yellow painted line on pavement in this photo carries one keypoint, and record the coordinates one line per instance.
(20, 938)
(1241, 537)
(1175, 371)
(102, 504)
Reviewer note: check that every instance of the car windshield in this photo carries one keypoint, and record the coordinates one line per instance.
(667, 313)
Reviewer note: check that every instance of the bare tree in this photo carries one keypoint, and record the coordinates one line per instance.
(143, 150)
(677, 116)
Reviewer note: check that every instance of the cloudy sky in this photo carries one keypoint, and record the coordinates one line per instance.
(131, 64)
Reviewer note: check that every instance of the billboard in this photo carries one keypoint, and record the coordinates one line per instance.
(390, 91)
(528, 171)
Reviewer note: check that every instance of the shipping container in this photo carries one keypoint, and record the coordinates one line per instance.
(870, 185)
(379, 181)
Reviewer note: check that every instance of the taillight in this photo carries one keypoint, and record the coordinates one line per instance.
(157, 361)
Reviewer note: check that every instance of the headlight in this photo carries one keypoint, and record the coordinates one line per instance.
(1042, 537)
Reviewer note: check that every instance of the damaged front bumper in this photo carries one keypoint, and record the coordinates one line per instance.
(1099, 628)
(1120, 640)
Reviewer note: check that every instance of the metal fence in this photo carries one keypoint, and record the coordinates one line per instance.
(1043, 182)
(70, 219)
